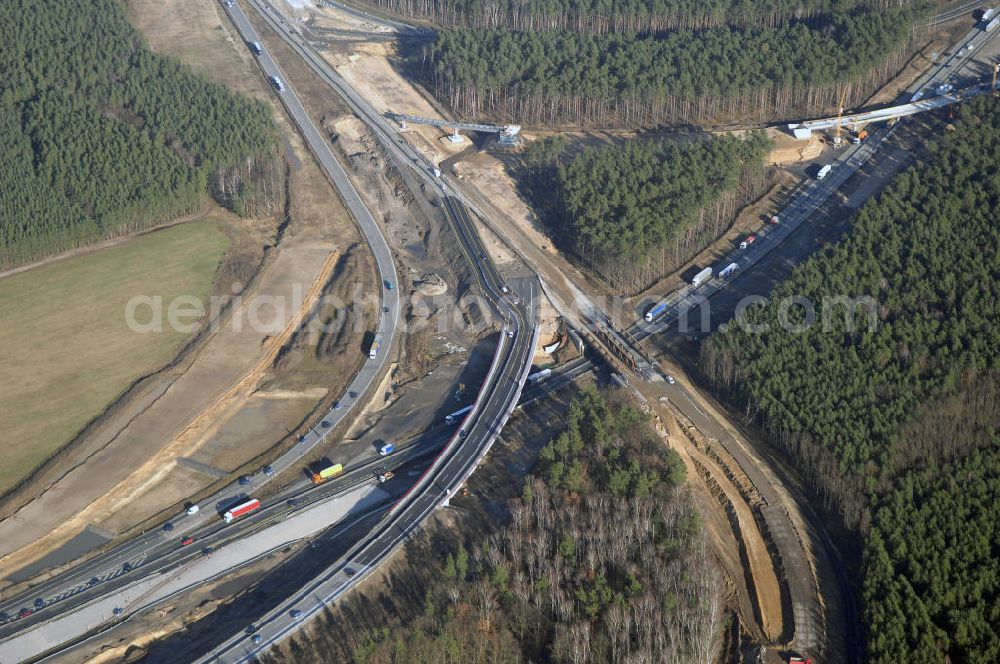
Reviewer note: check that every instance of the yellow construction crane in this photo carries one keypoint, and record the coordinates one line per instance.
(837, 140)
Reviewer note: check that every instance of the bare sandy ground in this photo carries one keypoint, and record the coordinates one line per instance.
(142, 451)
(368, 71)
(720, 531)
(790, 150)
(127, 471)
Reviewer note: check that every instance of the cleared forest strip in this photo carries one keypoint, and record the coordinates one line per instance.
(760, 572)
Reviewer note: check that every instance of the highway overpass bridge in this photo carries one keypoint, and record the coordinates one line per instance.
(855, 121)
(934, 90)
(804, 130)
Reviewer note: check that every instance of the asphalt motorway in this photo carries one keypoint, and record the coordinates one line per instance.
(449, 471)
(136, 551)
(810, 196)
(158, 545)
(515, 302)
(139, 549)
(169, 553)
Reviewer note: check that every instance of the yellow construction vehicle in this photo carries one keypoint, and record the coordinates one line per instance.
(837, 140)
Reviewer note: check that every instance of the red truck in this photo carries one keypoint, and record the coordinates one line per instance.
(747, 242)
(242, 509)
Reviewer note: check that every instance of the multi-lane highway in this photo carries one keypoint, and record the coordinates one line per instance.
(958, 11)
(148, 553)
(515, 302)
(810, 196)
(158, 550)
(93, 580)
(452, 467)
(132, 555)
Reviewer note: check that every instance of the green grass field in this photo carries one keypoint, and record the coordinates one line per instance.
(67, 350)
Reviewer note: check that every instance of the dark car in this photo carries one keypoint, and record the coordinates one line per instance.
(39, 603)
(4, 617)
(244, 480)
(250, 629)
(293, 502)
(336, 405)
(296, 614)
(167, 527)
(94, 581)
(118, 610)
(127, 567)
(353, 394)
(267, 470)
(350, 571)
(325, 424)
(255, 639)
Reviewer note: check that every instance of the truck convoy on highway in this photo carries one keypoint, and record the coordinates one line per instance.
(241, 510)
(655, 311)
(728, 271)
(454, 417)
(823, 172)
(750, 239)
(989, 20)
(326, 472)
(539, 376)
(702, 277)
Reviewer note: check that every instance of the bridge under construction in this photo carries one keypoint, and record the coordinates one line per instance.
(508, 134)
(933, 90)
(804, 130)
